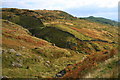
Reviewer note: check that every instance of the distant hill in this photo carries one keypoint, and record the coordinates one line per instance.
(101, 20)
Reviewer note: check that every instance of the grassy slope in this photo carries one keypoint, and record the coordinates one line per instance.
(65, 31)
(110, 69)
(51, 15)
(34, 54)
(68, 33)
(26, 18)
(94, 63)
(83, 30)
(101, 30)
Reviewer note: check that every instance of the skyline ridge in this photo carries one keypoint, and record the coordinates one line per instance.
(79, 8)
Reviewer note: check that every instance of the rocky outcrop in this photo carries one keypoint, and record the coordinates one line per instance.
(61, 73)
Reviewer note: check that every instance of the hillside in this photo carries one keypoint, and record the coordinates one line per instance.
(51, 15)
(23, 53)
(101, 20)
(44, 43)
(26, 18)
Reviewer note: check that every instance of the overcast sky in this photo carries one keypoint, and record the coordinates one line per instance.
(78, 8)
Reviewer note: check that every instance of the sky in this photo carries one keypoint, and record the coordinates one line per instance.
(78, 8)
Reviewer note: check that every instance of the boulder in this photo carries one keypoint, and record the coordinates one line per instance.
(23, 47)
(48, 62)
(77, 52)
(53, 44)
(61, 73)
(58, 75)
(16, 65)
(4, 77)
(12, 51)
(18, 54)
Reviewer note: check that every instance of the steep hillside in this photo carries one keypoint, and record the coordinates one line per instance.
(101, 20)
(64, 45)
(26, 18)
(95, 63)
(79, 35)
(25, 56)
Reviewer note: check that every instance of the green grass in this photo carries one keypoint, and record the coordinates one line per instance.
(101, 20)
(33, 57)
(26, 19)
(73, 32)
(61, 46)
(107, 69)
(36, 63)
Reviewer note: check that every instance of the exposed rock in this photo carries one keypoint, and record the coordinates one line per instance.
(61, 73)
(4, 77)
(1, 51)
(48, 62)
(53, 44)
(77, 52)
(23, 47)
(12, 51)
(16, 65)
(18, 54)
(58, 75)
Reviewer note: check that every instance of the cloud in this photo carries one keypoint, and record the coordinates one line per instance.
(110, 13)
(62, 4)
(75, 7)
(14, 4)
